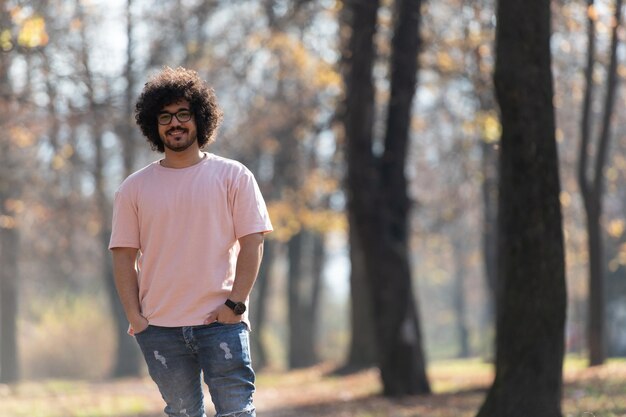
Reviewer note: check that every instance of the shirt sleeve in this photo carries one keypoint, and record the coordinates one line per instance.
(249, 210)
(125, 224)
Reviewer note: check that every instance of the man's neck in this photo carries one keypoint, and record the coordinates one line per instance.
(183, 159)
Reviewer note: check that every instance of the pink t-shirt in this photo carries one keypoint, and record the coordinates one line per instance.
(185, 223)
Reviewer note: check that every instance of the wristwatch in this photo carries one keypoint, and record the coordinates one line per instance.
(238, 307)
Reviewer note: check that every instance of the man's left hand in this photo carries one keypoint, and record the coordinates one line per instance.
(222, 314)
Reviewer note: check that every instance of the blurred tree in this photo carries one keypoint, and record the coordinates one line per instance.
(127, 359)
(591, 178)
(459, 254)
(127, 129)
(531, 290)
(460, 250)
(285, 105)
(258, 316)
(296, 163)
(362, 351)
(10, 190)
(377, 191)
(569, 55)
(304, 288)
(234, 46)
(294, 173)
(456, 133)
(481, 57)
(99, 108)
(21, 34)
(9, 237)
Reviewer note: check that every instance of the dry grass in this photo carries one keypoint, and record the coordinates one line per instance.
(313, 393)
(459, 388)
(67, 337)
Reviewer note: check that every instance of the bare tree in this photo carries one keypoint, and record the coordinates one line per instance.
(127, 359)
(486, 105)
(126, 355)
(460, 254)
(128, 138)
(9, 240)
(362, 351)
(591, 179)
(304, 288)
(295, 131)
(10, 189)
(15, 171)
(377, 191)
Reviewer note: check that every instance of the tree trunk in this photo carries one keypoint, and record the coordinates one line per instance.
(377, 192)
(127, 353)
(458, 296)
(482, 82)
(128, 125)
(596, 328)
(9, 237)
(592, 189)
(318, 261)
(489, 236)
(531, 291)
(9, 249)
(490, 209)
(301, 288)
(127, 356)
(362, 351)
(260, 296)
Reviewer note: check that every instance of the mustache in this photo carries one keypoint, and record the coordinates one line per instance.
(177, 128)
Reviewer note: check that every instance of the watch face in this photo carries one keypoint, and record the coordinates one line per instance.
(240, 308)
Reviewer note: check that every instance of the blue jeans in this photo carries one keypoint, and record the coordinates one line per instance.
(177, 355)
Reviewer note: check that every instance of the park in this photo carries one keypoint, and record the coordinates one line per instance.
(445, 180)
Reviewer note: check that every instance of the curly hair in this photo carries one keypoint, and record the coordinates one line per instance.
(168, 87)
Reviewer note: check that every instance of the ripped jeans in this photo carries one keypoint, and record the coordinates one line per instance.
(176, 357)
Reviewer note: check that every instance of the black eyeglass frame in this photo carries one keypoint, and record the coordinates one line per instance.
(181, 119)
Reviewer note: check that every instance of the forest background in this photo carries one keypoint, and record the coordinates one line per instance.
(71, 72)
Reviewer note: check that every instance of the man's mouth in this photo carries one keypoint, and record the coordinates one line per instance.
(176, 131)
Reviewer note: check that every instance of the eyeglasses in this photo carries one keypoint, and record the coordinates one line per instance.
(165, 118)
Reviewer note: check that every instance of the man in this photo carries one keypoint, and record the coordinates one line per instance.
(187, 242)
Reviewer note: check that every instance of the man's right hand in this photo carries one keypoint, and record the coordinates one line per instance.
(138, 325)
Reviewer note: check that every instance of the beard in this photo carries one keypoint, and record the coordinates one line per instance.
(178, 145)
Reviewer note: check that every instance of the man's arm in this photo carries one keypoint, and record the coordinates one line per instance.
(248, 263)
(125, 274)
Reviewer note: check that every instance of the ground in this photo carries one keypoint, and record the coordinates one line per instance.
(459, 388)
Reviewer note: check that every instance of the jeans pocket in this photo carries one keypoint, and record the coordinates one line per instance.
(143, 331)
